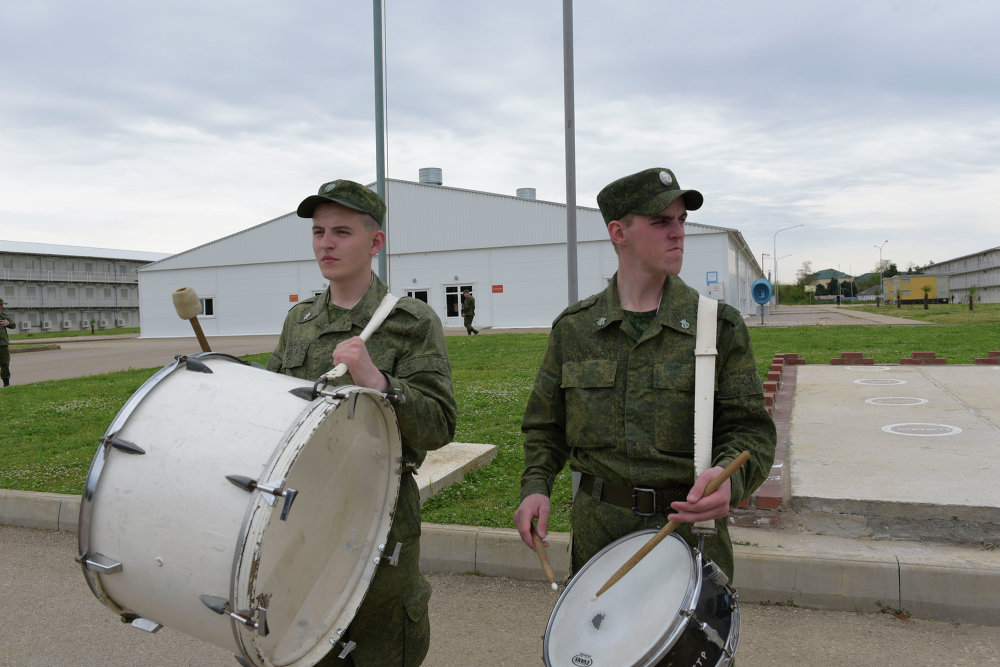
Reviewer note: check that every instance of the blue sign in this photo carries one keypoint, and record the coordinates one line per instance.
(711, 277)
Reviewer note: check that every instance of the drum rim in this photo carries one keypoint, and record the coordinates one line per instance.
(673, 631)
(244, 638)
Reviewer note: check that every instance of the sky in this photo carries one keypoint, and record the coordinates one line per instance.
(833, 134)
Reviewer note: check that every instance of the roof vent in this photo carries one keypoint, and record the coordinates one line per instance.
(526, 193)
(430, 176)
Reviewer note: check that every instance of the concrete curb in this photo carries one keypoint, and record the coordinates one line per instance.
(941, 582)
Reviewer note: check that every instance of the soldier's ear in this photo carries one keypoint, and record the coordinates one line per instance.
(616, 231)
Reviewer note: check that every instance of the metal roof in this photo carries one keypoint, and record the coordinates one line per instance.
(24, 248)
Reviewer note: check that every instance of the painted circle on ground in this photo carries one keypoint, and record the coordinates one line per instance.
(896, 400)
(879, 381)
(921, 429)
(867, 368)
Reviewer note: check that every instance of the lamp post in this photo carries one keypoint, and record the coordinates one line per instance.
(774, 256)
(762, 256)
(881, 290)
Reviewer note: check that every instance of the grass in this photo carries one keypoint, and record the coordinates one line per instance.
(50, 429)
(74, 333)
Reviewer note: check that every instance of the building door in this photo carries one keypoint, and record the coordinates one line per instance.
(453, 304)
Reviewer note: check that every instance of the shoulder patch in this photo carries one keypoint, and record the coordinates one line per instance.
(577, 307)
(304, 302)
(411, 306)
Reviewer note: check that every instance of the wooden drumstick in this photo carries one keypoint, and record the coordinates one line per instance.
(712, 487)
(543, 556)
(188, 306)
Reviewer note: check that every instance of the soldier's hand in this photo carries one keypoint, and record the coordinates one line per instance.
(696, 508)
(353, 353)
(537, 505)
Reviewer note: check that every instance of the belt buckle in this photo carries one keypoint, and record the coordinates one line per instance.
(635, 500)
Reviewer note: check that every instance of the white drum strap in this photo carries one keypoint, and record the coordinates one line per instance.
(704, 390)
(378, 317)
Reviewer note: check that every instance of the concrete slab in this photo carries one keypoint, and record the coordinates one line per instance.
(909, 452)
(450, 464)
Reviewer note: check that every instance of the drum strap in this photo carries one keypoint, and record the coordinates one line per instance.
(378, 317)
(705, 353)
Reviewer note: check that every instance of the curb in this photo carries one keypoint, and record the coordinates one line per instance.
(942, 582)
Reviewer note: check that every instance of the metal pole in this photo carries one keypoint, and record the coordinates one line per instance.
(881, 290)
(571, 268)
(774, 256)
(379, 29)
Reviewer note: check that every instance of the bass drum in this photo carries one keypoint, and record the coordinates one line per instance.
(237, 506)
(662, 612)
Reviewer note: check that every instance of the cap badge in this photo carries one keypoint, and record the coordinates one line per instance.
(329, 187)
(685, 325)
(666, 178)
(602, 321)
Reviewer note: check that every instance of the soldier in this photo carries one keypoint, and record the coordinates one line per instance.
(5, 323)
(408, 353)
(615, 393)
(469, 311)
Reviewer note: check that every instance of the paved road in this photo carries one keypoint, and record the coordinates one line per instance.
(49, 618)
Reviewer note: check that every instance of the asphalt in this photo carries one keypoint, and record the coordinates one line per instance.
(864, 463)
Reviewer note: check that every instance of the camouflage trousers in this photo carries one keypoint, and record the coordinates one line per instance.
(4, 362)
(597, 524)
(392, 627)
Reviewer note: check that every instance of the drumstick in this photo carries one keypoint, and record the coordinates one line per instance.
(712, 487)
(542, 556)
(188, 306)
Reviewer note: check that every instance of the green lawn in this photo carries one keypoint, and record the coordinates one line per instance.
(50, 429)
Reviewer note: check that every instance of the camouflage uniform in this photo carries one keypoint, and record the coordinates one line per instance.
(619, 405)
(391, 627)
(5, 346)
(469, 312)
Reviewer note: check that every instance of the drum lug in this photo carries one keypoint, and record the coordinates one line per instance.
(716, 574)
(222, 607)
(346, 647)
(394, 559)
(275, 489)
(706, 629)
(123, 445)
(395, 396)
(102, 564)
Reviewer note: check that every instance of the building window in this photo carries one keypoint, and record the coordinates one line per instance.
(90, 292)
(71, 292)
(208, 307)
(124, 293)
(29, 290)
(419, 294)
(107, 292)
(88, 267)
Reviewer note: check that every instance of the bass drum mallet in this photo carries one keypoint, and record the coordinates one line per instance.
(188, 306)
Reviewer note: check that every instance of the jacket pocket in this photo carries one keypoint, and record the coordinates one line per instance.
(673, 423)
(589, 388)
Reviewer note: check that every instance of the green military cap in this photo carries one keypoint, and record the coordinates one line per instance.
(647, 192)
(346, 193)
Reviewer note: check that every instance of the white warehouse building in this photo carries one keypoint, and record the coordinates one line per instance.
(509, 250)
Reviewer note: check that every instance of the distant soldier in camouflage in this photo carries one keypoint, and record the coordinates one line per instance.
(469, 312)
(615, 393)
(5, 323)
(408, 353)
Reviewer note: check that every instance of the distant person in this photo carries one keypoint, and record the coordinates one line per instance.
(469, 312)
(407, 352)
(5, 323)
(615, 397)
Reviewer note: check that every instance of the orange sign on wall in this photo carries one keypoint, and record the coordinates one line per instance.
(498, 289)
(293, 298)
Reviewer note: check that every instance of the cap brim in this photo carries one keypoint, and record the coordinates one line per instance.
(692, 201)
(309, 204)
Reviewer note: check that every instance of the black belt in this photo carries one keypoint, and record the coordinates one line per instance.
(642, 501)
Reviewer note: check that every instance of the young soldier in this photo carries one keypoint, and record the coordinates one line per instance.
(5, 323)
(615, 393)
(408, 353)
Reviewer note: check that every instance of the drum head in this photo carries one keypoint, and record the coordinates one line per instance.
(312, 570)
(634, 622)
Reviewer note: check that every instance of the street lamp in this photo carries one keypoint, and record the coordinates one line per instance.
(774, 256)
(762, 256)
(881, 290)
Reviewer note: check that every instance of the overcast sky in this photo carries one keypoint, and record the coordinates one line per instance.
(162, 126)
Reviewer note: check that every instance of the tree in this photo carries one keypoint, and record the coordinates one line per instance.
(803, 275)
(973, 290)
(927, 293)
(833, 287)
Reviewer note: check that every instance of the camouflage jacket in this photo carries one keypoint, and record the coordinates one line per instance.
(469, 305)
(409, 348)
(4, 340)
(620, 405)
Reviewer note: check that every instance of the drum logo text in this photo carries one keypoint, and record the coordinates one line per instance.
(582, 660)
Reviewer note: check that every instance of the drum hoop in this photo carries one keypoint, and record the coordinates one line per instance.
(676, 628)
(240, 633)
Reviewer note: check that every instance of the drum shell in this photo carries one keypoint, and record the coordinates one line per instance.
(182, 530)
(645, 617)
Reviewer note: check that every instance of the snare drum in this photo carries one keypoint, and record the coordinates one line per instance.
(667, 610)
(237, 506)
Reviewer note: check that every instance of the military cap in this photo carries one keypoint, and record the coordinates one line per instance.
(647, 192)
(346, 193)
